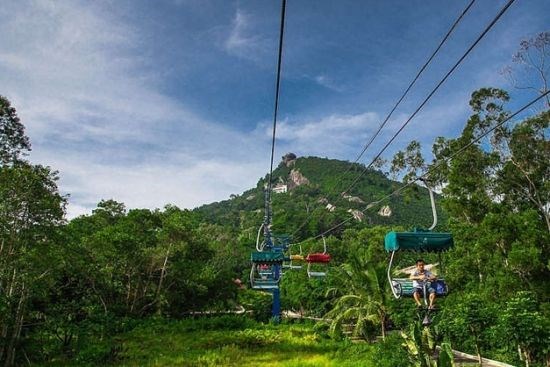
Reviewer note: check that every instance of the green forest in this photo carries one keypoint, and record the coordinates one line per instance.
(170, 286)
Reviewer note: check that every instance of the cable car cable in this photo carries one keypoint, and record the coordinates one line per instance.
(267, 215)
(427, 173)
(411, 84)
(455, 66)
(486, 30)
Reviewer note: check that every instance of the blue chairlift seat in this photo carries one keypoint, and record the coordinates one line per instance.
(403, 287)
(265, 284)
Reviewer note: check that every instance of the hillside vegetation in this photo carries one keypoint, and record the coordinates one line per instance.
(327, 178)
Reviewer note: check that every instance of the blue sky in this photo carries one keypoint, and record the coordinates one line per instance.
(170, 101)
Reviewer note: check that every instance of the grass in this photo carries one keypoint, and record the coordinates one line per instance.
(232, 341)
(235, 343)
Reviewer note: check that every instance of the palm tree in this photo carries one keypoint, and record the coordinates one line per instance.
(360, 297)
(420, 344)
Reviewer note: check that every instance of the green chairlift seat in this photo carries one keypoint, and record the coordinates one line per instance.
(418, 240)
(267, 257)
(265, 279)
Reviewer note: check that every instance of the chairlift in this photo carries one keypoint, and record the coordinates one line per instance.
(419, 240)
(294, 260)
(267, 261)
(317, 260)
(265, 273)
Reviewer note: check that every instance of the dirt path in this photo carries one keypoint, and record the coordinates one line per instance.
(464, 359)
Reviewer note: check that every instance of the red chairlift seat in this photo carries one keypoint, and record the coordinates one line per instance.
(318, 258)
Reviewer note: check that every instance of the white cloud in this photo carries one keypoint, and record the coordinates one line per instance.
(327, 82)
(333, 135)
(66, 61)
(242, 41)
(153, 184)
(327, 126)
(93, 111)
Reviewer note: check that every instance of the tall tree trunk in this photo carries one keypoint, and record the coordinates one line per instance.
(16, 330)
(383, 326)
(161, 280)
(8, 322)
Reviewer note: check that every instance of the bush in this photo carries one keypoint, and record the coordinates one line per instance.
(388, 352)
(99, 352)
(257, 302)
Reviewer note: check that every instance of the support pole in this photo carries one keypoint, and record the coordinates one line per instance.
(389, 277)
(276, 306)
(434, 211)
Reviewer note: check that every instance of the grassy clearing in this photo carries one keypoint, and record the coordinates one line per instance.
(231, 341)
(236, 342)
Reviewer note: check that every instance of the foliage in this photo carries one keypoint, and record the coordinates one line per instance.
(31, 210)
(494, 180)
(388, 352)
(259, 303)
(469, 323)
(528, 70)
(74, 292)
(13, 141)
(361, 298)
(525, 326)
(307, 203)
(420, 344)
(251, 344)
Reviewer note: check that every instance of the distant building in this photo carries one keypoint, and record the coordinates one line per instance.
(280, 188)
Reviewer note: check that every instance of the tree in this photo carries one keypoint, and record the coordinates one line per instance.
(420, 345)
(30, 211)
(361, 297)
(524, 326)
(529, 69)
(13, 141)
(523, 180)
(494, 179)
(469, 322)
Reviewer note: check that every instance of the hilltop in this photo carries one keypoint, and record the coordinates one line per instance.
(312, 187)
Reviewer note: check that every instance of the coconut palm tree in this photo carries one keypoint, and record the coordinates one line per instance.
(361, 298)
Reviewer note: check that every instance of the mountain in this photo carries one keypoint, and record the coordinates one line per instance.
(310, 190)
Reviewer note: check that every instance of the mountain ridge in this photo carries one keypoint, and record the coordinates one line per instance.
(319, 201)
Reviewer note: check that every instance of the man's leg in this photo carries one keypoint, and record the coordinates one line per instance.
(416, 296)
(432, 299)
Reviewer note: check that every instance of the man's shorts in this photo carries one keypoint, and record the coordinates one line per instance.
(420, 291)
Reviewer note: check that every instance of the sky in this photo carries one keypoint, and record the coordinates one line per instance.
(171, 101)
